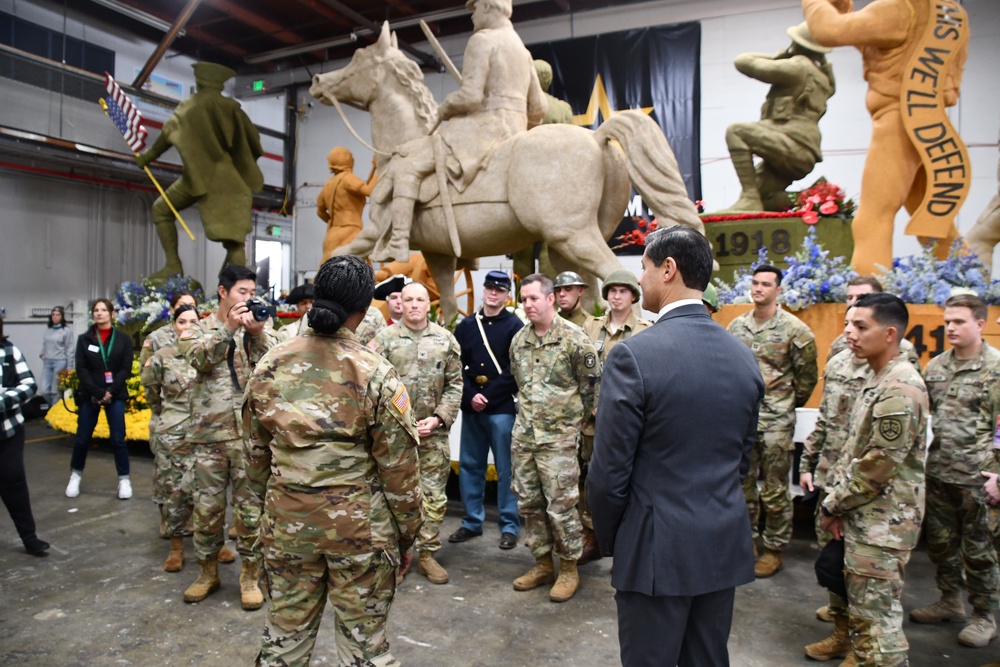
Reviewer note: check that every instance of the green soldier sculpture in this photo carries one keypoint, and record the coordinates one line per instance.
(219, 147)
(787, 135)
(558, 110)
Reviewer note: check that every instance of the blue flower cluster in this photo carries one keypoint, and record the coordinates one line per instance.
(812, 277)
(922, 278)
(144, 305)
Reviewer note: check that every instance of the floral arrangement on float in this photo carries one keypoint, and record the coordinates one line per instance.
(62, 415)
(822, 198)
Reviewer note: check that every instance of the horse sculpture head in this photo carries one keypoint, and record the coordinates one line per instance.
(379, 72)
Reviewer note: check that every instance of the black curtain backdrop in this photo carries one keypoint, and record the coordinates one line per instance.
(654, 67)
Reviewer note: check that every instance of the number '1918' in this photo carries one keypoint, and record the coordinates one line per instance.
(738, 243)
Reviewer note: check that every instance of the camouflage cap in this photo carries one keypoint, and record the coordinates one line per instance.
(569, 279)
(710, 297)
(623, 278)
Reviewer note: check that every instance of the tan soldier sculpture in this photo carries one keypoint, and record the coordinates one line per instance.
(569, 288)
(558, 374)
(339, 498)
(215, 435)
(786, 354)
(875, 499)
(958, 537)
(428, 360)
(621, 291)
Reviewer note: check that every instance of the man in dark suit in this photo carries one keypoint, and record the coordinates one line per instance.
(676, 421)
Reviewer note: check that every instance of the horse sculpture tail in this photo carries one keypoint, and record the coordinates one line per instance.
(652, 167)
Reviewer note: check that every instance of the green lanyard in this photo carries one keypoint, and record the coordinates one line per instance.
(111, 343)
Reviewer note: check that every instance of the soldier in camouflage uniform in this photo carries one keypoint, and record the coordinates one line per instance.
(302, 297)
(857, 287)
(339, 497)
(158, 338)
(621, 291)
(785, 349)
(229, 338)
(569, 288)
(958, 538)
(557, 373)
(168, 379)
(843, 380)
(875, 498)
(428, 360)
(988, 437)
(370, 325)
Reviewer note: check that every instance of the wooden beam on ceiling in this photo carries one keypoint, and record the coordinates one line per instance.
(329, 13)
(254, 20)
(562, 4)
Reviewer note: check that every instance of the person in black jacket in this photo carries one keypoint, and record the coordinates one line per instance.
(103, 364)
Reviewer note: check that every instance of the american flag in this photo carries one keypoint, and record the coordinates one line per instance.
(125, 115)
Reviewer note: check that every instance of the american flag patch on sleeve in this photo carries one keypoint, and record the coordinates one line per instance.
(401, 400)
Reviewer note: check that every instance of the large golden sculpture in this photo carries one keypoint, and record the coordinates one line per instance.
(342, 200)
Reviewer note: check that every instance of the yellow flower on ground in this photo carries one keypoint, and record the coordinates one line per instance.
(136, 423)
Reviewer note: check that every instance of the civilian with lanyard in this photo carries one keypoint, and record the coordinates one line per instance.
(18, 386)
(103, 364)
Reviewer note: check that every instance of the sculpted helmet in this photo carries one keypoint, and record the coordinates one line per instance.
(340, 159)
(569, 279)
(710, 297)
(621, 278)
(544, 72)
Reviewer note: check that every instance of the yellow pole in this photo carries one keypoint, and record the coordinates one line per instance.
(159, 188)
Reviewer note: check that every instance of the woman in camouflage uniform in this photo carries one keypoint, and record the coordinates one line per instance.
(167, 378)
(331, 461)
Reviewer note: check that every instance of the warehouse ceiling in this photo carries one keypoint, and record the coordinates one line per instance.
(272, 35)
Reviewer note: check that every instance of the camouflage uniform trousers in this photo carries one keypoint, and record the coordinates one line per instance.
(836, 604)
(958, 534)
(178, 482)
(874, 586)
(160, 468)
(360, 588)
(434, 455)
(586, 452)
(217, 464)
(772, 455)
(545, 481)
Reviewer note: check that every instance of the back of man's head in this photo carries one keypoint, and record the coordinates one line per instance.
(232, 274)
(689, 249)
(888, 310)
(865, 280)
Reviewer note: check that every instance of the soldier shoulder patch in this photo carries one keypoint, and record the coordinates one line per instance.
(147, 343)
(590, 360)
(188, 333)
(890, 428)
(401, 401)
(373, 346)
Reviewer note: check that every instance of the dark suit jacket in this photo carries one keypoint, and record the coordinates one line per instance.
(676, 421)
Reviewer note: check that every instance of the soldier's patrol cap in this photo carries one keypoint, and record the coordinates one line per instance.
(212, 74)
(390, 286)
(569, 279)
(497, 279)
(710, 297)
(305, 291)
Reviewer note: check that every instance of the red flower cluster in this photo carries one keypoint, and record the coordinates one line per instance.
(823, 198)
(637, 236)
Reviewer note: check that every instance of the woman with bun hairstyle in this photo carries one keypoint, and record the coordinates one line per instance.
(103, 365)
(167, 378)
(331, 460)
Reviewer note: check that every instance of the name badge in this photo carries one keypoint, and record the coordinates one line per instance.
(93, 348)
(109, 377)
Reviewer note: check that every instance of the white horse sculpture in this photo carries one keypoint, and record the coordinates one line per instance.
(562, 184)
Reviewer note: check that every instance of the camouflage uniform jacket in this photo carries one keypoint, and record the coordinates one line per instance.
(429, 362)
(168, 379)
(785, 349)
(558, 379)
(599, 330)
(839, 344)
(331, 448)
(577, 316)
(878, 481)
(988, 421)
(154, 341)
(956, 390)
(292, 329)
(370, 325)
(215, 403)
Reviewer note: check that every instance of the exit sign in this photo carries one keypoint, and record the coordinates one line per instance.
(258, 86)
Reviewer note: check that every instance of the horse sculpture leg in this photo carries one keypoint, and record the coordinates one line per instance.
(442, 267)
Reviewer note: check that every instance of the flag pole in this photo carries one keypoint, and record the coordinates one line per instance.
(159, 188)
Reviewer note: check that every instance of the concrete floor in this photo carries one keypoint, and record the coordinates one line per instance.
(101, 597)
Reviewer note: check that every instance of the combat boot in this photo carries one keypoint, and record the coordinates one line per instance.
(206, 583)
(980, 630)
(823, 614)
(542, 572)
(590, 550)
(250, 595)
(768, 564)
(948, 608)
(226, 555)
(175, 559)
(837, 645)
(567, 583)
(431, 569)
(850, 661)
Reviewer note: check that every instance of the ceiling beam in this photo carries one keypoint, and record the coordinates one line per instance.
(425, 58)
(320, 8)
(254, 20)
(165, 43)
(562, 4)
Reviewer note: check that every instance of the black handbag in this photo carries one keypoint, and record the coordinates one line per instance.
(830, 568)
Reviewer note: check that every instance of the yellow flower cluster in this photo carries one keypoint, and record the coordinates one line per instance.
(136, 423)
